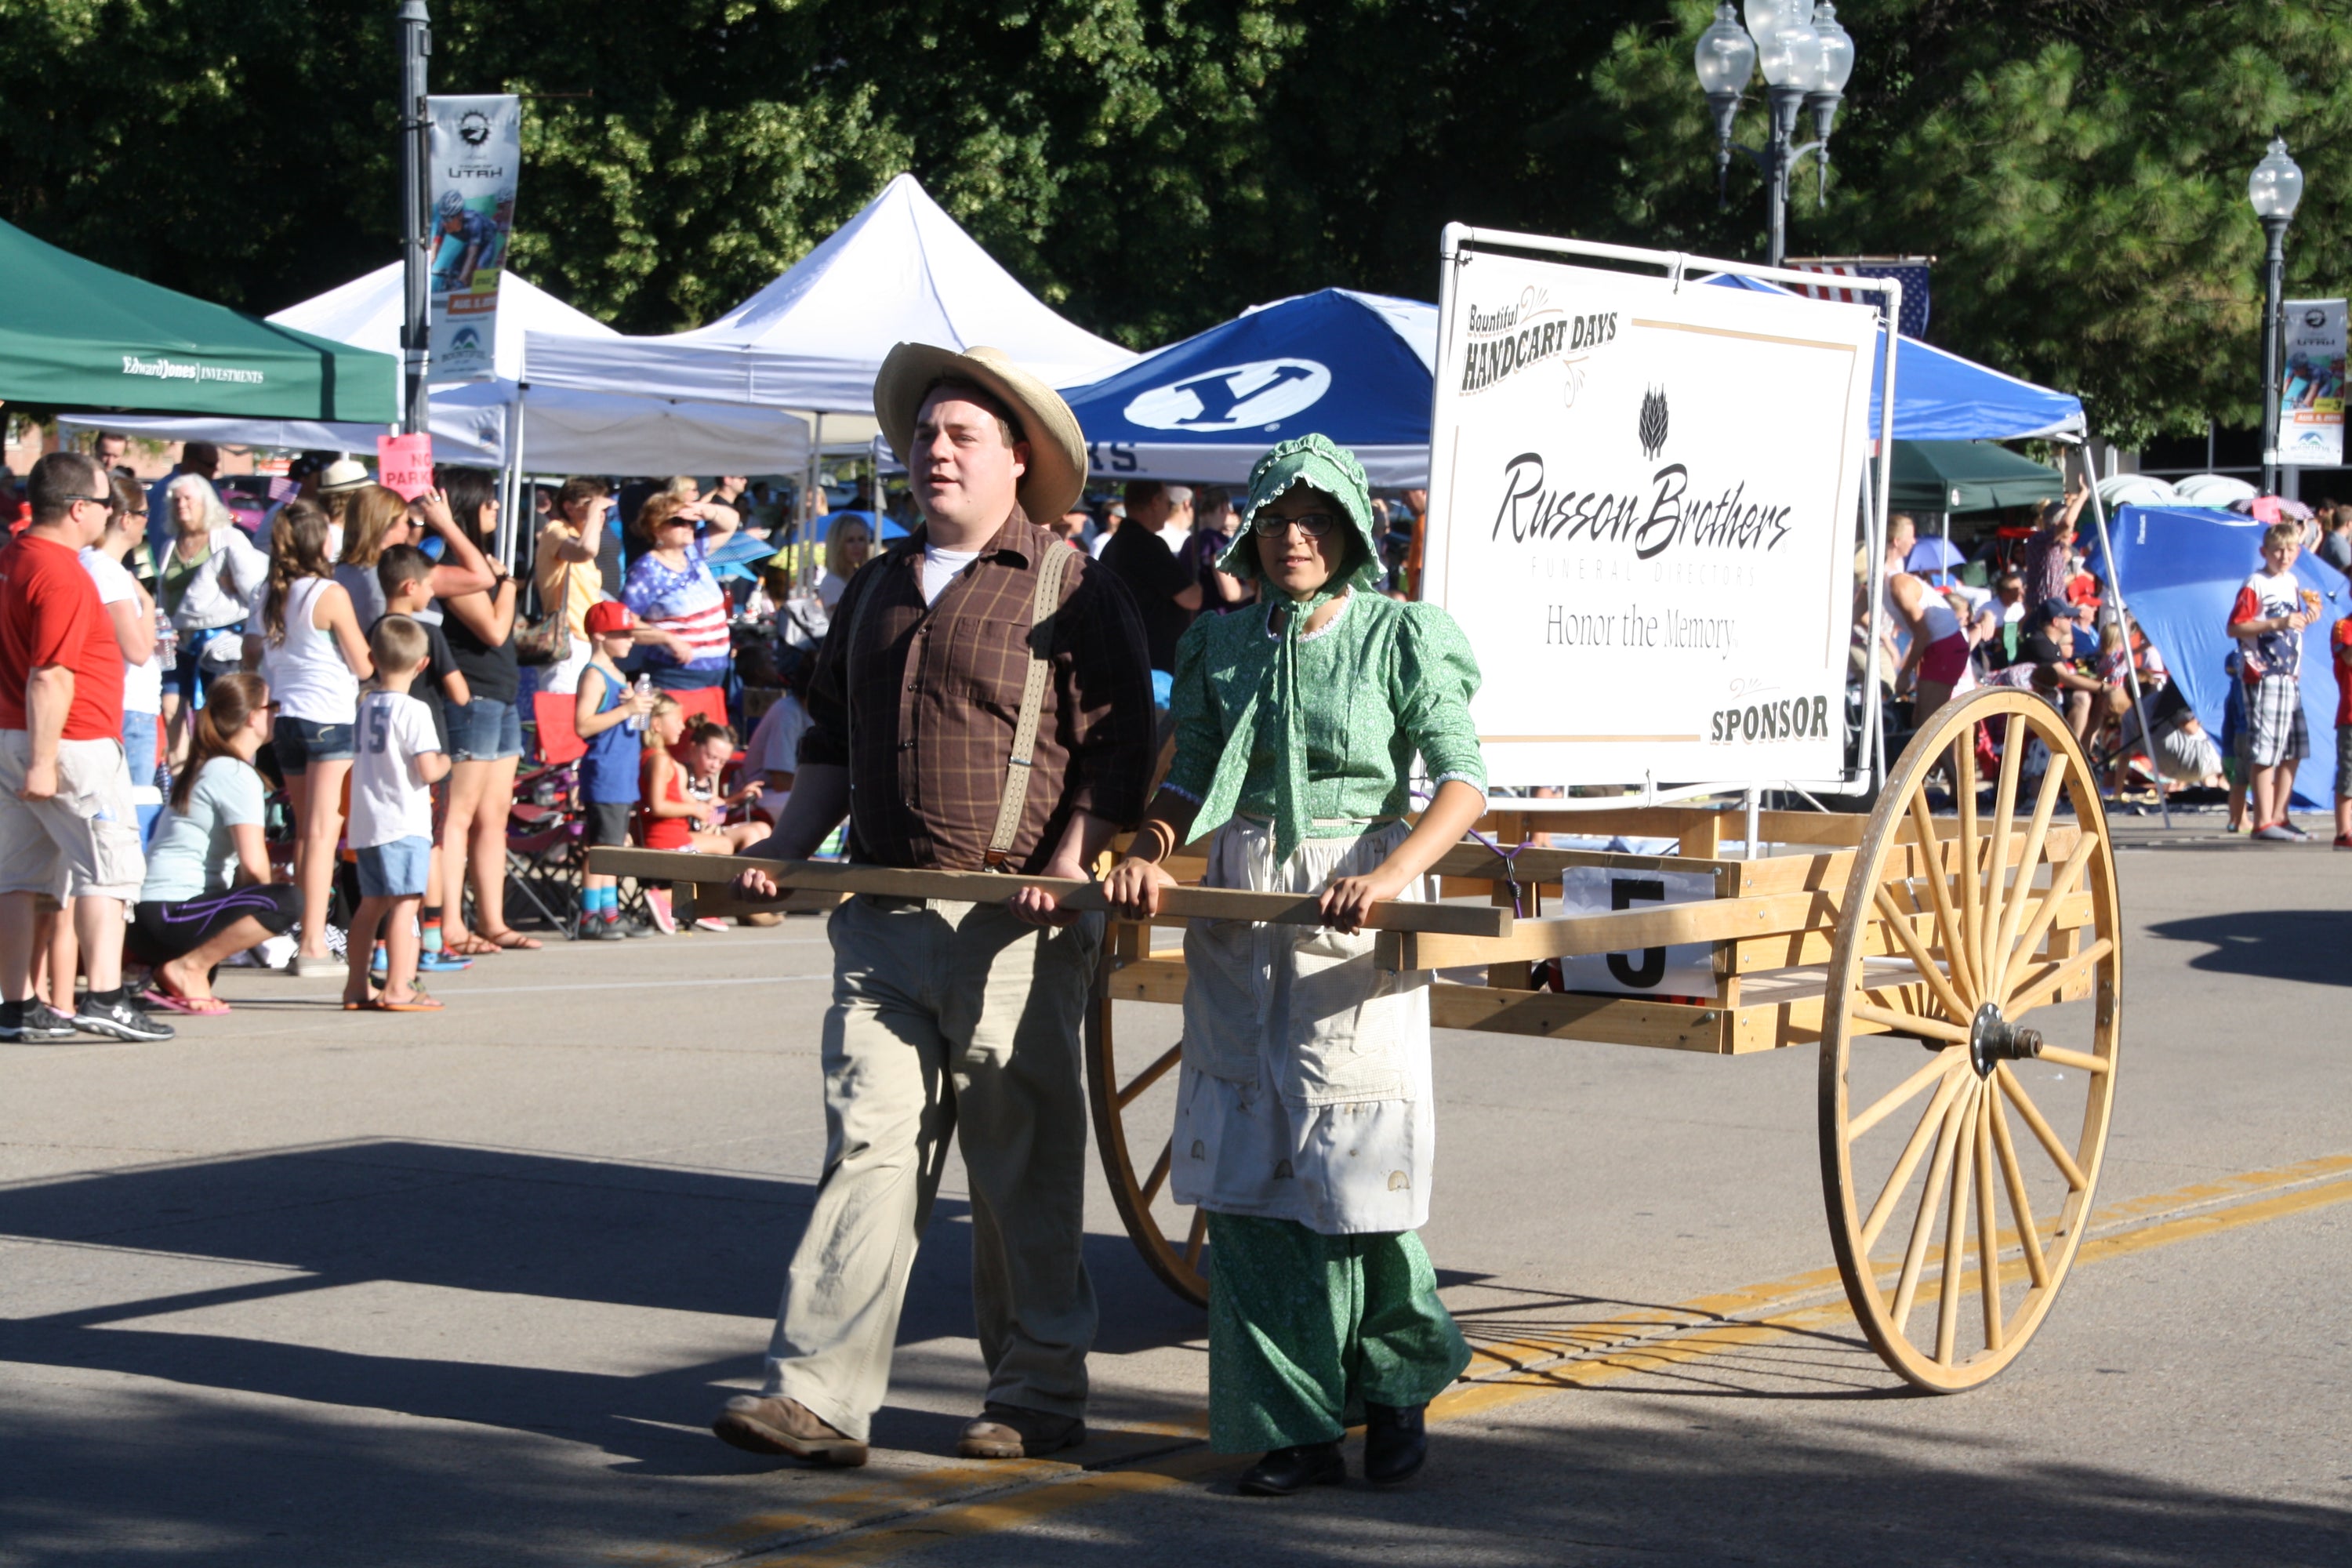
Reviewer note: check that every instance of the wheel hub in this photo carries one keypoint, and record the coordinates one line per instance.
(1991, 1040)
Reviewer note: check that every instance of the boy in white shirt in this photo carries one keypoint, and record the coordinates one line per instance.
(397, 762)
(2268, 619)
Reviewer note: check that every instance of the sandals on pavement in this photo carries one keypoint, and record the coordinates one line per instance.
(172, 1002)
(418, 1002)
(510, 941)
(471, 945)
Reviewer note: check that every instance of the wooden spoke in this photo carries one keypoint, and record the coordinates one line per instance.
(1947, 923)
(2033, 1119)
(2037, 834)
(1940, 1064)
(1900, 924)
(1922, 1224)
(2020, 1206)
(2044, 986)
(1150, 1076)
(1881, 1211)
(1988, 1229)
(1159, 1171)
(1968, 846)
(2004, 808)
(1910, 1023)
(1956, 1230)
(2063, 884)
(1200, 1232)
(2073, 1059)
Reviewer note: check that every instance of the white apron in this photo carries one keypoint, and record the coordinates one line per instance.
(1305, 1093)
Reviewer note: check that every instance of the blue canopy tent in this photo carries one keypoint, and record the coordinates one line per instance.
(1358, 368)
(2181, 568)
(1940, 396)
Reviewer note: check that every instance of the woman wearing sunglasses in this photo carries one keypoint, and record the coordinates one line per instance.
(1305, 1125)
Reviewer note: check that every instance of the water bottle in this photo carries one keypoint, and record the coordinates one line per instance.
(644, 686)
(167, 641)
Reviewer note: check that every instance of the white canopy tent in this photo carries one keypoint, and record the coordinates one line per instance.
(901, 270)
(498, 422)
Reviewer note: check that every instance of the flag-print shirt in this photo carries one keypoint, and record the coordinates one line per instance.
(686, 601)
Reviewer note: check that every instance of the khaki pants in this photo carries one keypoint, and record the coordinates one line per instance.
(945, 1014)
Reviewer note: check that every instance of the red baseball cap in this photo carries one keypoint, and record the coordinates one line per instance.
(609, 615)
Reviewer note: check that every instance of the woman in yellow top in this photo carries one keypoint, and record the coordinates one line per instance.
(566, 573)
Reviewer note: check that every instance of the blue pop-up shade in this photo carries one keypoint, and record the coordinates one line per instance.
(2181, 568)
(1940, 396)
(1357, 368)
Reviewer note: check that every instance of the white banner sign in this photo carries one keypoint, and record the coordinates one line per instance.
(477, 144)
(1644, 502)
(2311, 393)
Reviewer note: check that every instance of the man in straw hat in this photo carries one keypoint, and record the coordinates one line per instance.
(948, 1012)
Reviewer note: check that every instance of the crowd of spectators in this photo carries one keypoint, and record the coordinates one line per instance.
(2043, 621)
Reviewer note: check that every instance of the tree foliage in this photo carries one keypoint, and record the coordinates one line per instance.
(1150, 166)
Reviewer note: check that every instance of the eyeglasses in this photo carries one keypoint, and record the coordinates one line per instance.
(94, 501)
(1312, 524)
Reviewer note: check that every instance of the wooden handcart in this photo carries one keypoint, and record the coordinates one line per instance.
(1961, 977)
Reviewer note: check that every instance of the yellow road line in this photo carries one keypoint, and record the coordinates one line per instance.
(913, 1514)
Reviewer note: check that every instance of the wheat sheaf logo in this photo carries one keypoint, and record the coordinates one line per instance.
(1653, 421)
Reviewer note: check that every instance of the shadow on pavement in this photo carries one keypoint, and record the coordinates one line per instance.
(2269, 944)
(501, 1222)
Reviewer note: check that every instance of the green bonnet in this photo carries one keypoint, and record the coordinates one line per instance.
(1319, 463)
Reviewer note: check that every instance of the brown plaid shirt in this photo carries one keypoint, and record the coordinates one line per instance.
(922, 709)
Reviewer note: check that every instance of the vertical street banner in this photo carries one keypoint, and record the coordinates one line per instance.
(2311, 388)
(476, 154)
(1644, 512)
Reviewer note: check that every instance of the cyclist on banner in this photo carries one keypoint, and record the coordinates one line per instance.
(468, 242)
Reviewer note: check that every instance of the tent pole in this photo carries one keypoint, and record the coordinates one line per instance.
(807, 554)
(514, 463)
(2123, 618)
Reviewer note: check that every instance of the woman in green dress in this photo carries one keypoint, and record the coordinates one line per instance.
(1305, 1125)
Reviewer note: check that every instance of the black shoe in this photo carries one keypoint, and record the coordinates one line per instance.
(1396, 1442)
(596, 928)
(34, 1023)
(1286, 1470)
(120, 1019)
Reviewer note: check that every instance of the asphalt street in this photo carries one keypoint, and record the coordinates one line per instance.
(307, 1287)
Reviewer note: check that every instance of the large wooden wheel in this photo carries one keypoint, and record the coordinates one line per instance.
(1959, 1185)
(1134, 1100)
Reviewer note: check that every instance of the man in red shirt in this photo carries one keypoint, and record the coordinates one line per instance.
(68, 826)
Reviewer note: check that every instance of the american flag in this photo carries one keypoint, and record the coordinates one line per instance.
(1911, 272)
(283, 489)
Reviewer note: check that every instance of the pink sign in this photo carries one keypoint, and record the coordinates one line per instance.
(404, 464)
(2267, 509)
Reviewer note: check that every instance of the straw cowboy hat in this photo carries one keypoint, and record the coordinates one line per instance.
(1056, 475)
(342, 475)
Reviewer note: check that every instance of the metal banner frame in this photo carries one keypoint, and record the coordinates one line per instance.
(1453, 247)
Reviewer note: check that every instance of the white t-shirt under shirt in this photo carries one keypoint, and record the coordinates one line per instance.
(143, 684)
(940, 568)
(389, 802)
(775, 748)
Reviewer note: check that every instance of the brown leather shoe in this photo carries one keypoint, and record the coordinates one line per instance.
(1009, 1432)
(778, 1425)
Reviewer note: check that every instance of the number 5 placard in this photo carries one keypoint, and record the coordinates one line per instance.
(1688, 970)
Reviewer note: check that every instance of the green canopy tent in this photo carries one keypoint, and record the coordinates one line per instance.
(74, 334)
(1966, 476)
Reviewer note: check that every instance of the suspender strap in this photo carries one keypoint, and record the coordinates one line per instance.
(1033, 702)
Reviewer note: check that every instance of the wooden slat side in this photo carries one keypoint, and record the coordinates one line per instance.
(1626, 931)
(1790, 949)
(1604, 1020)
(1148, 979)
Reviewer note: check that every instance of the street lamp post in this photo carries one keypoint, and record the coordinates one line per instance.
(2275, 189)
(1806, 58)
(416, 46)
